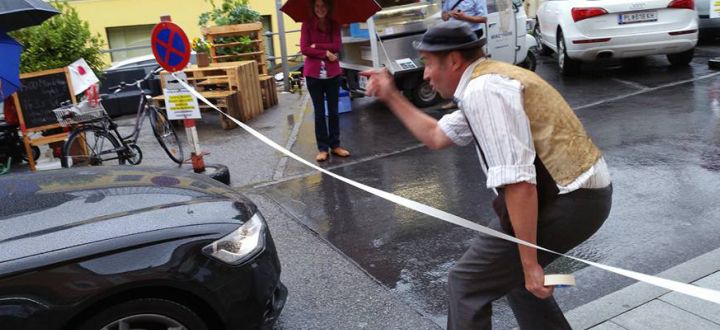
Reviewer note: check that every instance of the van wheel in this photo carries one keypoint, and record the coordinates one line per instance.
(530, 61)
(681, 59)
(568, 66)
(424, 95)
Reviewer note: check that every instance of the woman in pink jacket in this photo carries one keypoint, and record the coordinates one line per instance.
(320, 42)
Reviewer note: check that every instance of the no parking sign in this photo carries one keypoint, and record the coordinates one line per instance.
(170, 46)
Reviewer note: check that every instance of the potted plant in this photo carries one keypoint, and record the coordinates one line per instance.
(202, 50)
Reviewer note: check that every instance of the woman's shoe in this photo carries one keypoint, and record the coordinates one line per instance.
(340, 151)
(321, 156)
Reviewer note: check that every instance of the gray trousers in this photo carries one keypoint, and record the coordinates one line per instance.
(491, 267)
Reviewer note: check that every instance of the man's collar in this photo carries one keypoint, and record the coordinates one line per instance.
(465, 80)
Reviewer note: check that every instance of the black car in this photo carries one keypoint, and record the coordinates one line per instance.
(133, 248)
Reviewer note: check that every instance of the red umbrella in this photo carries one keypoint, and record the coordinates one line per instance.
(344, 12)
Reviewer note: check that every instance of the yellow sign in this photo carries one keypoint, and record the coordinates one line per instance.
(181, 104)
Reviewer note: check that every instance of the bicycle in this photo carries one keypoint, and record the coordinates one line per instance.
(96, 139)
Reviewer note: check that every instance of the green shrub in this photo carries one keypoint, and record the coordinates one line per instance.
(231, 12)
(59, 41)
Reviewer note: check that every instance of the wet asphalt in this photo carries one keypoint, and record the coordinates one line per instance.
(659, 129)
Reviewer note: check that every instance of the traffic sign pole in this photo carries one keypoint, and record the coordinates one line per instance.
(196, 156)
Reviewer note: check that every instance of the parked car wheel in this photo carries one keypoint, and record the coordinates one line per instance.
(424, 95)
(683, 58)
(146, 313)
(542, 49)
(568, 66)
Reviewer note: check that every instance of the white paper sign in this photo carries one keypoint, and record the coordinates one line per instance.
(81, 76)
(714, 8)
(181, 104)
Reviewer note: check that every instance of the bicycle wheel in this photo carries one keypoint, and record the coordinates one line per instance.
(91, 146)
(165, 134)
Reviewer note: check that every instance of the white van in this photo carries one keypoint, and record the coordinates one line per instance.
(385, 40)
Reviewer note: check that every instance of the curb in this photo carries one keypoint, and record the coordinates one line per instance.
(624, 300)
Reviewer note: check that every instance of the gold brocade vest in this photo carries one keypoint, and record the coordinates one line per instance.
(561, 143)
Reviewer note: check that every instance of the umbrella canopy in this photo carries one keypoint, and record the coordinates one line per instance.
(17, 14)
(9, 65)
(344, 12)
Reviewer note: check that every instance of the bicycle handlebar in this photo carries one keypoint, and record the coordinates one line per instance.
(119, 87)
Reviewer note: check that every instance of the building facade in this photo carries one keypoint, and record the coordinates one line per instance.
(127, 23)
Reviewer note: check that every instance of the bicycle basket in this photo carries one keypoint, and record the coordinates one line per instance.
(79, 113)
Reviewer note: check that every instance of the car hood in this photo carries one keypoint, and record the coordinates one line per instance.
(54, 210)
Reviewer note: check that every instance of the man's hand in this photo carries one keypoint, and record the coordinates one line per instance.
(458, 14)
(535, 281)
(331, 56)
(445, 16)
(380, 84)
(312, 46)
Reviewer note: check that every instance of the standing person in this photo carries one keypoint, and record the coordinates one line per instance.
(552, 182)
(320, 42)
(474, 12)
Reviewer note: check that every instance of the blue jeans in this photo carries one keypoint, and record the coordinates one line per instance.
(327, 131)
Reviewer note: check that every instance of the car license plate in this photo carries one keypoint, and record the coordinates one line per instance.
(638, 17)
(362, 81)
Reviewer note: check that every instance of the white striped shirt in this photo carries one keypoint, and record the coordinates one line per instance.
(494, 107)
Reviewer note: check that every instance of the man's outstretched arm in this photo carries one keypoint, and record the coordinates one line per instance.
(424, 127)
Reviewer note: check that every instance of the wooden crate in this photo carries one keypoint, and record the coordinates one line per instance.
(269, 91)
(216, 34)
(239, 77)
(249, 93)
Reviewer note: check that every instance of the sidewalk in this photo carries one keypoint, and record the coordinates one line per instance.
(643, 306)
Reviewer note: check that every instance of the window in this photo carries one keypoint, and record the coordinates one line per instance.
(127, 37)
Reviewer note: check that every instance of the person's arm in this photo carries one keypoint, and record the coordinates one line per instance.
(336, 43)
(459, 15)
(475, 13)
(421, 125)
(509, 150)
(306, 46)
(522, 205)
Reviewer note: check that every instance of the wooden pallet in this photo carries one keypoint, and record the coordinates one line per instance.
(215, 35)
(224, 100)
(269, 91)
(249, 93)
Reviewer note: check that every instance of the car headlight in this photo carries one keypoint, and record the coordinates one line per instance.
(240, 245)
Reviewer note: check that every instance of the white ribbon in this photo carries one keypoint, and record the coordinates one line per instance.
(688, 289)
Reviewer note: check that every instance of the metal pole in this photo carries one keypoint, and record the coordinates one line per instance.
(373, 42)
(283, 45)
(196, 156)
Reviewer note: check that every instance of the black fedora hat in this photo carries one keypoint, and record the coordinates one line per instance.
(450, 35)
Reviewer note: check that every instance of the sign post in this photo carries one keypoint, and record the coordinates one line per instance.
(171, 48)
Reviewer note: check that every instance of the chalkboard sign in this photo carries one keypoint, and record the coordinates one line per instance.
(39, 94)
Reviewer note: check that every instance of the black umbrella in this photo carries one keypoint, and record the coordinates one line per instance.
(17, 14)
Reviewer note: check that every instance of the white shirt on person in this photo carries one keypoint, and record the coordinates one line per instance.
(494, 107)
(469, 7)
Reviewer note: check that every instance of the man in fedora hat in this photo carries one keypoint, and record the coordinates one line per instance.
(552, 182)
